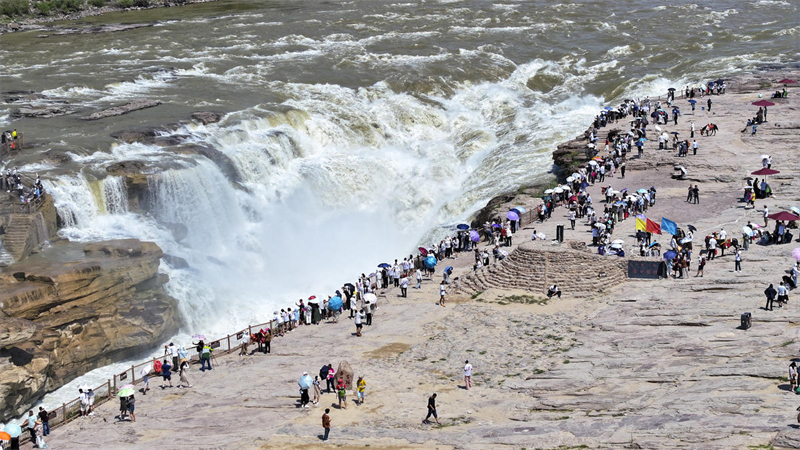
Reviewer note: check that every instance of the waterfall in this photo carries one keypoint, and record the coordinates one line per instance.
(115, 195)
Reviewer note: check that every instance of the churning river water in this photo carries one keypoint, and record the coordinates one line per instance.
(357, 129)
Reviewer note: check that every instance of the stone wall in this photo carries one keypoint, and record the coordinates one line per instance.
(22, 233)
(76, 307)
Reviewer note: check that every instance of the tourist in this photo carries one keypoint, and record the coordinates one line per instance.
(267, 338)
(173, 352)
(432, 410)
(361, 387)
(765, 214)
(330, 378)
(245, 341)
(419, 279)
(132, 407)
(770, 292)
(30, 424)
(467, 375)
(738, 261)
(357, 321)
(341, 390)
(123, 407)
(404, 285)
(553, 290)
(84, 399)
(442, 292)
(317, 391)
(184, 367)
(783, 295)
(145, 374)
(166, 374)
(44, 417)
(205, 357)
(700, 266)
(793, 376)
(326, 424)
(303, 393)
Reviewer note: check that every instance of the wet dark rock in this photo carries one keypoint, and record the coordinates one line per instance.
(43, 111)
(206, 117)
(135, 105)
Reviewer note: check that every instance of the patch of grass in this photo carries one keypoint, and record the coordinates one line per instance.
(482, 352)
(761, 447)
(125, 3)
(13, 8)
(786, 344)
(476, 295)
(538, 371)
(562, 418)
(553, 337)
(566, 361)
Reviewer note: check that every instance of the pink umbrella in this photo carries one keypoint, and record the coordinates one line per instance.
(127, 386)
(423, 251)
(763, 103)
(796, 253)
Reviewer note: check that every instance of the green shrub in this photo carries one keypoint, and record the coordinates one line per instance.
(68, 5)
(141, 3)
(125, 3)
(97, 3)
(44, 8)
(13, 7)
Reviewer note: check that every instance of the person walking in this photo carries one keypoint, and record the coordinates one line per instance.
(132, 407)
(166, 375)
(770, 292)
(326, 424)
(442, 292)
(700, 266)
(572, 219)
(304, 398)
(182, 371)
(765, 213)
(44, 417)
(622, 169)
(709, 105)
(145, 374)
(793, 375)
(341, 390)
(361, 387)
(738, 261)
(432, 410)
(467, 374)
(419, 279)
(317, 391)
(404, 285)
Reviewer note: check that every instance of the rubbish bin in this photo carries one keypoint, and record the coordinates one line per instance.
(746, 321)
(560, 233)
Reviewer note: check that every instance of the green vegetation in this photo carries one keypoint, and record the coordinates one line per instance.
(125, 3)
(761, 447)
(58, 6)
(476, 295)
(97, 3)
(13, 8)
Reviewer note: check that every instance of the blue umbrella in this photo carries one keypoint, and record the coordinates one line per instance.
(430, 262)
(670, 255)
(13, 430)
(511, 215)
(474, 236)
(384, 265)
(306, 382)
(335, 303)
(519, 210)
(496, 225)
(608, 108)
(674, 132)
(584, 185)
(693, 101)
(462, 226)
(642, 139)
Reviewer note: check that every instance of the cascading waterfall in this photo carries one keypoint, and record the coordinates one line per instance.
(115, 195)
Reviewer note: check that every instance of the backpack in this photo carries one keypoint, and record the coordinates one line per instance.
(323, 372)
(157, 366)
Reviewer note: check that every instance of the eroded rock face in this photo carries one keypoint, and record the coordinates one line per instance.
(135, 105)
(206, 117)
(74, 308)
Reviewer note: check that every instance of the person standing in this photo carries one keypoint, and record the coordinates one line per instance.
(30, 425)
(304, 399)
(700, 266)
(205, 357)
(692, 131)
(123, 407)
(90, 395)
(793, 375)
(182, 371)
(357, 320)
(694, 145)
(783, 295)
(341, 391)
(419, 279)
(622, 169)
(166, 367)
(442, 292)
(738, 261)
(690, 194)
(709, 105)
(330, 377)
(173, 352)
(361, 387)
(766, 218)
(326, 424)
(84, 399)
(132, 407)
(572, 218)
(404, 285)
(317, 391)
(432, 410)
(45, 418)
(770, 292)
(268, 341)
(467, 374)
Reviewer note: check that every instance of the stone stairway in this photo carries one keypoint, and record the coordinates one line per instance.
(535, 267)
(21, 232)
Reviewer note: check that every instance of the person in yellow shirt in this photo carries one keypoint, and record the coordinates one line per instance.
(361, 386)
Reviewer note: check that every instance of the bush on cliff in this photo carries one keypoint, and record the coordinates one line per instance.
(62, 6)
(125, 3)
(97, 3)
(13, 8)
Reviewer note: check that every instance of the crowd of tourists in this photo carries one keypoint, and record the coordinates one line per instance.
(13, 183)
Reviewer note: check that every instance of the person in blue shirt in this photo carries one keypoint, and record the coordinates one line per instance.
(165, 372)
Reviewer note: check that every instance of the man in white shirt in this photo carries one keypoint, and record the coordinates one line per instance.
(404, 286)
(419, 279)
(442, 292)
(766, 219)
(84, 399)
(712, 248)
(90, 396)
(467, 374)
(723, 234)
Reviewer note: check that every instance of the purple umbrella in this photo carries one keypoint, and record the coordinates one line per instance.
(511, 215)
(474, 236)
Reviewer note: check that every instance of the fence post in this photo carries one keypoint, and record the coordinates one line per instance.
(229, 342)
(109, 388)
(63, 412)
(133, 373)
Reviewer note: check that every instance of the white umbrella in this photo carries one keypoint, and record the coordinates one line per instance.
(558, 190)
(685, 240)
(658, 128)
(576, 176)
(570, 179)
(548, 191)
(632, 198)
(764, 156)
(618, 241)
(747, 230)
(592, 163)
(615, 245)
(566, 188)
(600, 225)
(370, 297)
(795, 209)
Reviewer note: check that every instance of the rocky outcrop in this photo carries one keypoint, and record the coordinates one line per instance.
(206, 117)
(21, 233)
(43, 111)
(135, 105)
(571, 155)
(75, 307)
(536, 266)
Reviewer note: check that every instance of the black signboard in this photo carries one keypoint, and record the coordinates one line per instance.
(643, 269)
(52, 415)
(123, 375)
(214, 344)
(239, 335)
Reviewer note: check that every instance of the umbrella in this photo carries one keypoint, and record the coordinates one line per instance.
(618, 241)
(548, 191)
(631, 133)
(519, 209)
(615, 245)
(591, 163)
(691, 227)
(642, 191)
(584, 185)
(608, 108)
(430, 262)
(573, 198)
(474, 236)
(795, 210)
(796, 253)
(765, 171)
(384, 265)
(13, 430)
(653, 244)
(566, 188)
(313, 297)
(787, 81)
(201, 337)
(763, 103)
(127, 392)
(306, 382)
(570, 179)
(598, 158)
(4, 436)
(764, 156)
(576, 176)
(693, 101)
(600, 226)
(496, 225)
(448, 269)
(558, 190)
(511, 215)
(670, 255)
(127, 386)
(335, 303)
(674, 132)
(462, 226)
(671, 89)
(685, 240)
(747, 230)
(423, 250)
(370, 297)
(642, 139)
(784, 215)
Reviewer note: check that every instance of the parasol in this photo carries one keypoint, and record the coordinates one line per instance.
(787, 81)
(335, 303)
(430, 262)
(462, 226)
(474, 236)
(424, 251)
(305, 381)
(511, 215)
(670, 255)
(784, 215)
(763, 103)
(747, 230)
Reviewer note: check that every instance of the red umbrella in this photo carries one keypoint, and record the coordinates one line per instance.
(312, 297)
(787, 81)
(764, 171)
(784, 215)
(763, 103)
(423, 250)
